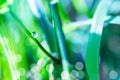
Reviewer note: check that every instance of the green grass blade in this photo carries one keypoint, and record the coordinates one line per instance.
(69, 27)
(44, 23)
(59, 34)
(9, 57)
(26, 31)
(92, 51)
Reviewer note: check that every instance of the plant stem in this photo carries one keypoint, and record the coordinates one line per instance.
(26, 31)
(92, 51)
(59, 34)
(9, 57)
(45, 24)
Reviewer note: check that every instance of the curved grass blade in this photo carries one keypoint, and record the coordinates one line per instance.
(69, 27)
(26, 31)
(4, 65)
(9, 57)
(92, 51)
(38, 11)
(59, 34)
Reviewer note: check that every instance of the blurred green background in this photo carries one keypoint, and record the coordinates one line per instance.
(59, 39)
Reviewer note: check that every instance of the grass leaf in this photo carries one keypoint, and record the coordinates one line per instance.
(59, 34)
(92, 51)
(38, 11)
(9, 58)
(26, 31)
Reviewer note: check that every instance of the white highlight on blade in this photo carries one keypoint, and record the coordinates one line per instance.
(98, 20)
(9, 57)
(33, 7)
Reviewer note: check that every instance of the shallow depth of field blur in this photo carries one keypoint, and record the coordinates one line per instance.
(59, 39)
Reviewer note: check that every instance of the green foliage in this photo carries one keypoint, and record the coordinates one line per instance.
(59, 40)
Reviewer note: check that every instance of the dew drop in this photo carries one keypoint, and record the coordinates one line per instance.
(35, 34)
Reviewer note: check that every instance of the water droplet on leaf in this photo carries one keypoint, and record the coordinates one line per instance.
(35, 34)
